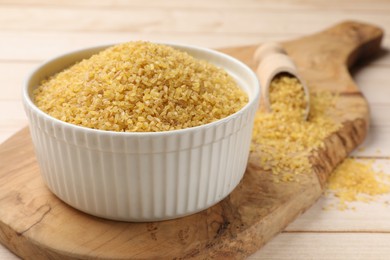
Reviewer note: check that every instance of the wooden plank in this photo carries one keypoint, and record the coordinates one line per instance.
(6, 254)
(379, 114)
(377, 143)
(325, 246)
(151, 19)
(378, 5)
(36, 46)
(374, 82)
(12, 78)
(12, 117)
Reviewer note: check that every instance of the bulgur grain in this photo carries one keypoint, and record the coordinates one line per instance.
(140, 87)
(282, 138)
(355, 180)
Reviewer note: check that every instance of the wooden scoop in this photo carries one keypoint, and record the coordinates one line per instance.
(273, 61)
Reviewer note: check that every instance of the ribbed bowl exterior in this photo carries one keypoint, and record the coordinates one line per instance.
(141, 176)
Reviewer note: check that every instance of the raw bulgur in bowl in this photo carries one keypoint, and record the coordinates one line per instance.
(142, 131)
(140, 87)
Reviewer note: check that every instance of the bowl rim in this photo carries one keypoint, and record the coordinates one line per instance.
(253, 99)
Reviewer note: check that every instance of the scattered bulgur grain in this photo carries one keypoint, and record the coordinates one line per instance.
(282, 138)
(140, 87)
(355, 180)
(284, 141)
(361, 149)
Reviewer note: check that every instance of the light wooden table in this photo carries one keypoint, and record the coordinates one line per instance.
(32, 31)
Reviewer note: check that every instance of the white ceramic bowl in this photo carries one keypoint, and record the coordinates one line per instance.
(143, 176)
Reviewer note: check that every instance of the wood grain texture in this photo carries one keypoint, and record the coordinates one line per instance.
(35, 224)
(325, 246)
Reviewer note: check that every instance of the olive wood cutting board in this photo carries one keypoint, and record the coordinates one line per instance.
(35, 224)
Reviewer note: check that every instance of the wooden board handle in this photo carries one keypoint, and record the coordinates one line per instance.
(363, 40)
(324, 58)
(350, 41)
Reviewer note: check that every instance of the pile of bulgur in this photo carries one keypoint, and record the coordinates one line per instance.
(356, 180)
(140, 87)
(282, 138)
